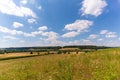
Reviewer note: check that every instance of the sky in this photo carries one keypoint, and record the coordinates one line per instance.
(27, 23)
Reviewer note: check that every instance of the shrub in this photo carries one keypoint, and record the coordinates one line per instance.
(59, 52)
(31, 52)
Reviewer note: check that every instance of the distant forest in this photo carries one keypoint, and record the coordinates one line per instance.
(49, 48)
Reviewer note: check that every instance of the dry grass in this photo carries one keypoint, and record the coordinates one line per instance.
(99, 65)
(14, 54)
(19, 54)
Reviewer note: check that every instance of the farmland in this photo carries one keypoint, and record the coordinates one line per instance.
(97, 65)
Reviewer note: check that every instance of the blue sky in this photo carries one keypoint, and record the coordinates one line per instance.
(59, 22)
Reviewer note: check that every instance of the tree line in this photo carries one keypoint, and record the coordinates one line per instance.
(50, 48)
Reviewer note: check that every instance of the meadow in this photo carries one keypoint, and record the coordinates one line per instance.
(98, 65)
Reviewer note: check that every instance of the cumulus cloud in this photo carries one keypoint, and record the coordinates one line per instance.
(17, 25)
(81, 42)
(70, 34)
(22, 41)
(112, 43)
(92, 36)
(10, 37)
(10, 8)
(32, 20)
(93, 7)
(29, 34)
(15, 32)
(51, 36)
(111, 35)
(9, 31)
(103, 31)
(43, 28)
(100, 39)
(87, 42)
(77, 27)
(108, 34)
(24, 2)
(39, 7)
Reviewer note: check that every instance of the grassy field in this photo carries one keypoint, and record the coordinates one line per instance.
(99, 65)
(14, 54)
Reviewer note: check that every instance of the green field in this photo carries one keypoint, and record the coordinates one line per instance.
(98, 65)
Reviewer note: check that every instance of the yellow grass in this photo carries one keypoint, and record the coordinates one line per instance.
(16, 54)
(99, 65)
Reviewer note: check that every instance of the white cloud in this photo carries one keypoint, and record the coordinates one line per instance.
(43, 28)
(118, 38)
(36, 33)
(22, 41)
(87, 42)
(39, 7)
(100, 39)
(32, 1)
(10, 38)
(24, 2)
(52, 36)
(32, 20)
(16, 32)
(111, 35)
(81, 42)
(10, 8)
(31, 34)
(112, 43)
(47, 37)
(79, 25)
(93, 7)
(108, 34)
(28, 34)
(70, 34)
(92, 36)
(9, 31)
(103, 31)
(17, 25)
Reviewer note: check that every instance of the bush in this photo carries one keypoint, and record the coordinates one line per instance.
(31, 52)
(38, 53)
(59, 52)
(68, 52)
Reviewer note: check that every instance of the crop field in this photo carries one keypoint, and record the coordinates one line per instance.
(97, 65)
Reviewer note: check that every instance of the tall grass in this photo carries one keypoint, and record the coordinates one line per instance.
(99, 65)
